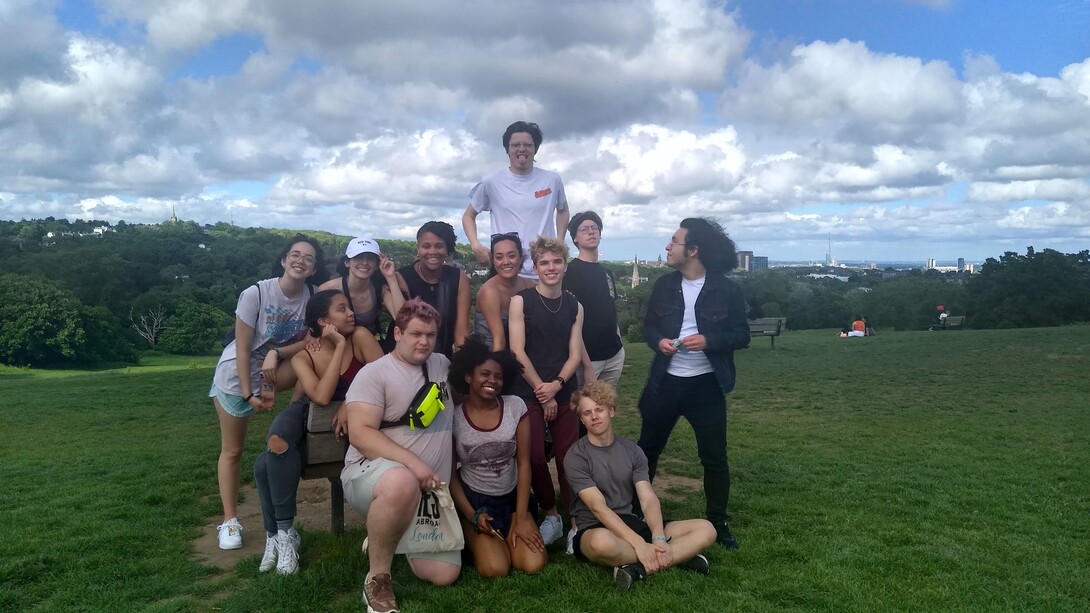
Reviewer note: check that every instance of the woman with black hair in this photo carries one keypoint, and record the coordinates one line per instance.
(492, 441)
(441, 285)
(270, 328)
(324, 375)
(494, 296)
(366, 291)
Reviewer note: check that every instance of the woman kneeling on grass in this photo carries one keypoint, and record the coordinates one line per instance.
(492, 443)
(269, 329)
(324, 375)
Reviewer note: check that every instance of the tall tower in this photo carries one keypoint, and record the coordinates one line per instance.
(173, 214)
(635, 271)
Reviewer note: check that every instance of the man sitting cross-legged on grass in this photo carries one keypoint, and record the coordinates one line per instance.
(604, 471)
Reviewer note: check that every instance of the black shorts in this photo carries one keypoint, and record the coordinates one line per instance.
(635, 523)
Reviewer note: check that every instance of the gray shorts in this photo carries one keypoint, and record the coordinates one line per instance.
(359, 481)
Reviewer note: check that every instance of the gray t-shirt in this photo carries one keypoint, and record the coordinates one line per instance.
(614, 470)
(488, 456)
(391, 384)
(276, 320)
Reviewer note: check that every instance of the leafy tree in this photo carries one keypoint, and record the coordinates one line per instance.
(39, 322)
(106, 340)
(1046, 288)
(909, 303)
(194, 328)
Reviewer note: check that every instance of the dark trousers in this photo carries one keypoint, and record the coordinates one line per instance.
(276, 475)
(565, 431)
(700, 401)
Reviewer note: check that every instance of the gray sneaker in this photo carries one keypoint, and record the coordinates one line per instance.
(551, 529)
(378, 594)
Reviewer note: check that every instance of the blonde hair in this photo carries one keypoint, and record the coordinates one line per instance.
(547, 244)
(599, 392)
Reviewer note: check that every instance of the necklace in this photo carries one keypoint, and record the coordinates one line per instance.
(424, 277)
(542, 298)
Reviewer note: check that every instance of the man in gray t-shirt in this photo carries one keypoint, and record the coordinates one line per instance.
(608, 474)
(389, 464)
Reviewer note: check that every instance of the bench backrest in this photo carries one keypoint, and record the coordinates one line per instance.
(767, 325)
(955, 320)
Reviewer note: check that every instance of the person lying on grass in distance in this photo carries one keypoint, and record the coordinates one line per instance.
(603, 470)
(492, 443)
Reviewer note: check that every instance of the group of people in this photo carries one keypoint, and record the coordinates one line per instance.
(543, 359)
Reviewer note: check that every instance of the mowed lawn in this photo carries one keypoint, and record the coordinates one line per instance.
(909, 471)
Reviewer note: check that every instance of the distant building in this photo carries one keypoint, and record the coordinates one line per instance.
(961, 264)
(745, 260)
(760, 262)
(635, 271)
(930, 263)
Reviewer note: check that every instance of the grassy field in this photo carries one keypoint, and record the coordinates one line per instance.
(908, 471)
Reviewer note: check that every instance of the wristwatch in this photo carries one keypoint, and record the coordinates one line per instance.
(560, 380)
(252, 394)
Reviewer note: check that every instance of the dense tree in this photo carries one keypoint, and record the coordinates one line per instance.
(194, 328)
(1046, 288)
(39, 322)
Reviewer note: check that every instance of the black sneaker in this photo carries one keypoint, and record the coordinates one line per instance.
(625, 576)
(697, 563)
(724, 537)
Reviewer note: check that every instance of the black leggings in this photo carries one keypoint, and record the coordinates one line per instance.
(277, 474)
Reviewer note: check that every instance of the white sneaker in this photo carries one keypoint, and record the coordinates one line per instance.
(571, 541)
(296, 540)
(268, 561)
(551, 529)
(230, 534)
(287, 558)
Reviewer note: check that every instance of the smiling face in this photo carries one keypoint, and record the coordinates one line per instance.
(416, 342)
(597, 419)
(431, 250)
(340, 315)
(550, 268)
(299, 263)
(506, 259)
(362, 266)
(520, 152)
(486, 380)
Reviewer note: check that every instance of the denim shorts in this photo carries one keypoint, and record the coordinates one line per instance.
(233, 405)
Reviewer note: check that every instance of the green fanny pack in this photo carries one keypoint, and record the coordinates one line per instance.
(423, 409)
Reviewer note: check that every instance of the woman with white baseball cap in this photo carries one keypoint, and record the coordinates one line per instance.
(366, 291)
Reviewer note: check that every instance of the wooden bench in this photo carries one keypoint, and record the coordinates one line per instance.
(952, 322)
(325, 458)
(768, 326)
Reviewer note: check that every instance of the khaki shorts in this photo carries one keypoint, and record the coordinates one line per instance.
(359, 481)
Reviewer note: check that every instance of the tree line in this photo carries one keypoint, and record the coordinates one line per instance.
(69, 295)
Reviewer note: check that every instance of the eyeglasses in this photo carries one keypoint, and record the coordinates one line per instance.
(503, 236)
(295, 256)
(589, 229)
(674, 242)
(514, 146)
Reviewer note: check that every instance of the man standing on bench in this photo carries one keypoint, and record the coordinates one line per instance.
(608, 474)
(696, 318)
(387, 468)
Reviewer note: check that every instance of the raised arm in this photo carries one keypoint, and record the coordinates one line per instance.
(319, 386)
(392, 300)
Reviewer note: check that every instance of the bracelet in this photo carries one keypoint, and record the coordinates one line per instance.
(664, 539)
(477, 519)
(560, 380)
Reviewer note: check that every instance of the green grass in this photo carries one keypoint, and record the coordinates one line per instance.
(908, 471)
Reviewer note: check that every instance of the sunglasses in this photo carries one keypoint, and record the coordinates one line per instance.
(504, 236)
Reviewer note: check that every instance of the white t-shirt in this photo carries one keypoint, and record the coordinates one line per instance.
(687, 363)
(276, 320)
(391, 384)
(526, 204)
(488, 458)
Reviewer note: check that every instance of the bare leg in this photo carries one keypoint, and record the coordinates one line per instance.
(397, 495)
(689, 537)
(232, 441)
(435, 572)
(490, 555)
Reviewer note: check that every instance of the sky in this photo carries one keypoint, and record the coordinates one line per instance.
(896, 130)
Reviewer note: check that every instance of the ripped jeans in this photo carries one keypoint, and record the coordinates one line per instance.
(277, 475)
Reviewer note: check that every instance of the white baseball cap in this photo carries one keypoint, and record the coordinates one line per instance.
(361, 245)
